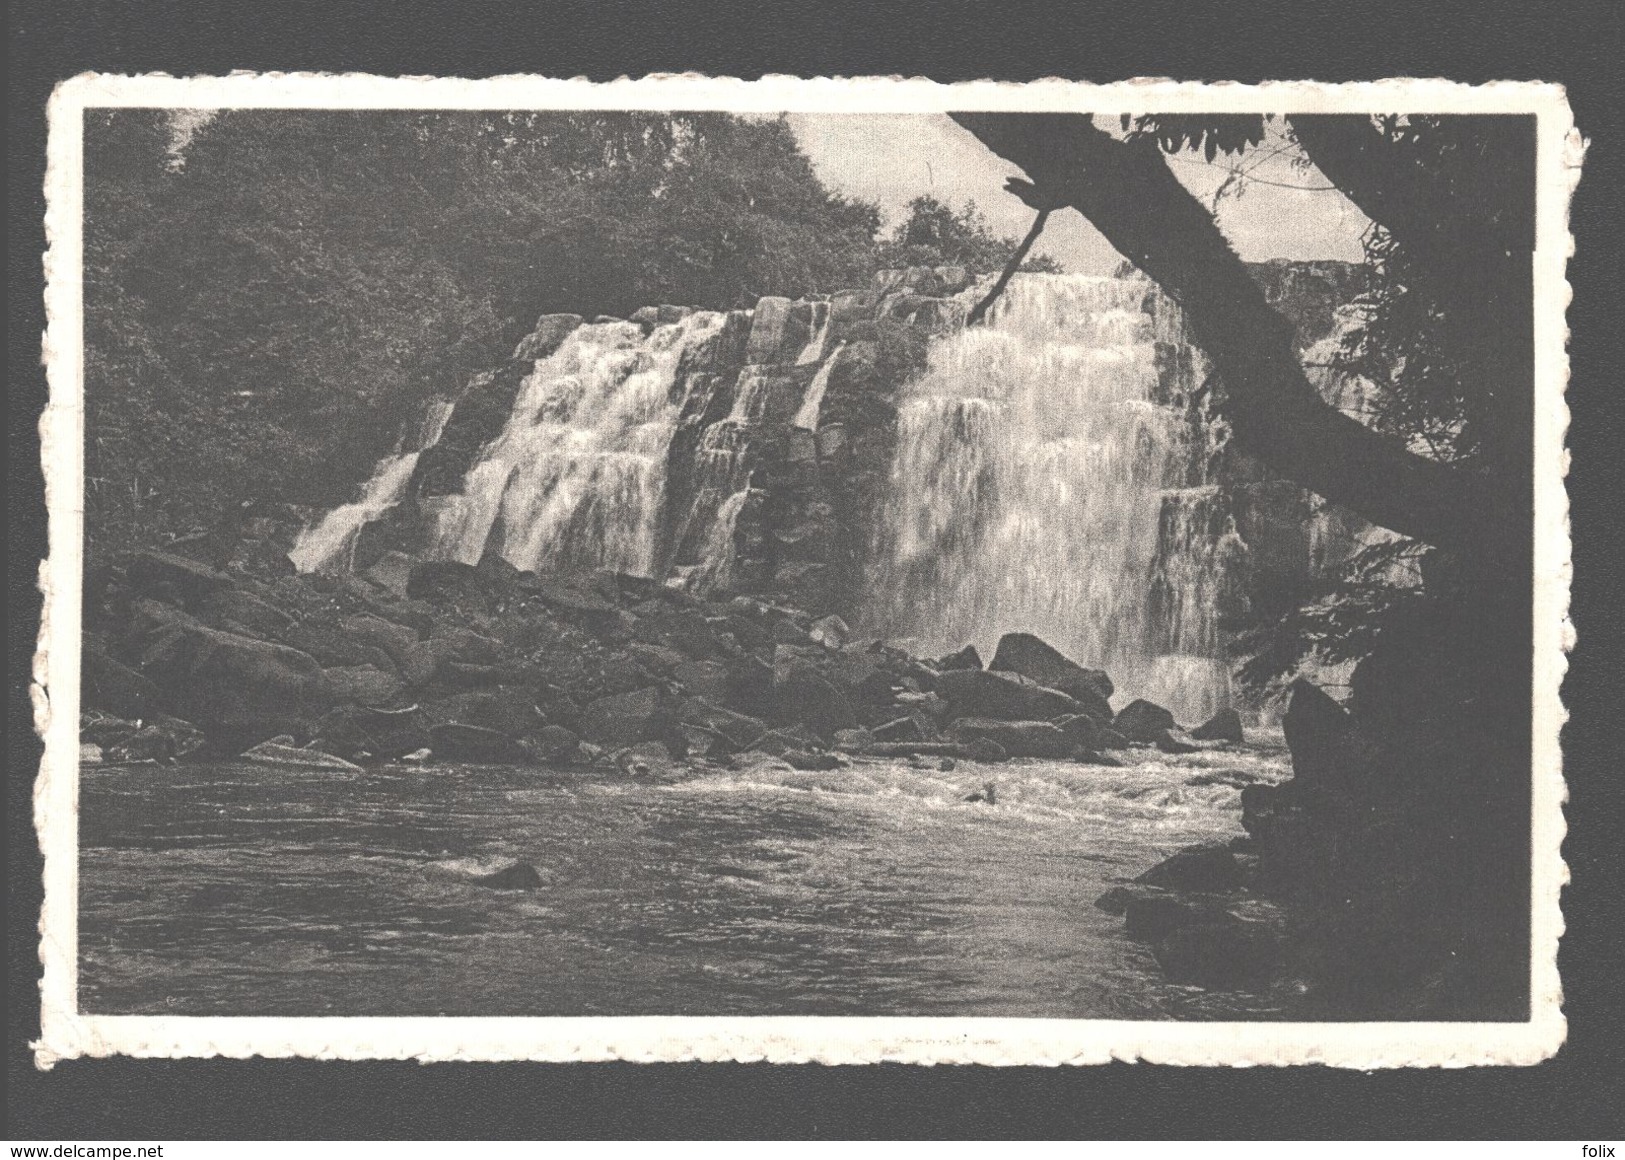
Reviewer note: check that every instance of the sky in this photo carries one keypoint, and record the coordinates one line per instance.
(1284, 211)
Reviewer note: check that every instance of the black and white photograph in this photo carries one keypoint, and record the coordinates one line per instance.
(805, 570)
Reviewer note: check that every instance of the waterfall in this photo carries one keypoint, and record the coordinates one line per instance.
(330, 543)
(576, 480)
(1051, 476)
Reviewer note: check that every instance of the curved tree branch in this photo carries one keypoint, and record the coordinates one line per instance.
(1009, 271)
(1127, 191)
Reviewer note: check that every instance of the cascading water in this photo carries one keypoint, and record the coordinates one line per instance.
(1051, 477)
(330, 542)
(577, 477)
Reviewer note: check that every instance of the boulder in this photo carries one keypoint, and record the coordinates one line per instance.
(152, 572)
(233, 606)
(364, 684)
(771, 338)
(708, 679)
(392, 572)
(1016, 738)
(735, 731)
(1319, 734)
(1006, 696)
(291, 757)
(1024, 653)
(965, 658)
(911, 728)
(463, 645)
(624, 719)
(104, 729)
(556, 743)
(507, 709)
(645, 759)
(550, 333)
(492, 873)
(854, 740)
(113, 686)
(859, 672)
(231, 683)
(160, 739)
(516, 876)
(1109, 738)
(1155, 916)
(1178, 741)
(1200, 868)
(984, 750)
(831, 632)
(437, 580)
(1143, 721)
(457, 742)
(354, 731)
(1225, 725)
(786, 631)
(1224, 953)
(461, 676)
(414, 659)
(781, 741)
(803, 695)
(656, 658)
(335, 650)
(1092, 757)
(684, 630)
(90, 754)
(1082, 730)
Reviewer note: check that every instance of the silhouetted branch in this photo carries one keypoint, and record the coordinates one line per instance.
(1129, 194)
(1010, 267)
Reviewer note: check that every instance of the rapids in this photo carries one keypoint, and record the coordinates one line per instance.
(234, 889)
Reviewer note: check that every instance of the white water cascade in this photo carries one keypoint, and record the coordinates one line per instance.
(577, 477)
(330, 543)
(1052, 476)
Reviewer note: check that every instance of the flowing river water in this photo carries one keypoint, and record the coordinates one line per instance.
(238, 889)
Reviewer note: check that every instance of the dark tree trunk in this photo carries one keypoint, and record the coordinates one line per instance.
(1127, 192)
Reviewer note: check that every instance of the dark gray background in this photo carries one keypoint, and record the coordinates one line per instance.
(1572, 1097)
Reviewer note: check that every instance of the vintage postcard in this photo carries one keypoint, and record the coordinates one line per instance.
(838, 570)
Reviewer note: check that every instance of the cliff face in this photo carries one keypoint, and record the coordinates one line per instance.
(782, 434)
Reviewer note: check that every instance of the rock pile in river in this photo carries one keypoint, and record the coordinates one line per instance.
(489, 664)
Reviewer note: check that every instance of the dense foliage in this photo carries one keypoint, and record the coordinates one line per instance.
(1435, 330)
(262, 288)
(935, 234)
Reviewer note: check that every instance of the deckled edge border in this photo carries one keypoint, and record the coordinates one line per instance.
(66, 1034)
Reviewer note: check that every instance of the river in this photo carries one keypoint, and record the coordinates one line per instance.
(236, 889)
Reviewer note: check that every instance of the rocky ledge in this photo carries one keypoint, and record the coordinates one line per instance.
(416, 660)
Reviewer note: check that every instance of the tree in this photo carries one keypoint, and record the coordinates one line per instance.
(261, 287)
(934, 234)
(1123, 187)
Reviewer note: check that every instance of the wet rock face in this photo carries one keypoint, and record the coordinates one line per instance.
(1005, 696)
(648, 714)
(550, 333)
(1225, 725)
(1027, 655)
(150, 572)
(1225, 953)
(1199, 868)
(454, 741)
(1017, 738)
(237, 683)
(1143, 721)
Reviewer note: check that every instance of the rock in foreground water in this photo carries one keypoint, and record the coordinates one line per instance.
(1225, 725)
(1026, 654)
(1143, 721)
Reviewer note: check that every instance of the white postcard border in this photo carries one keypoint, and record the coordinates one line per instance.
(66, 1033)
